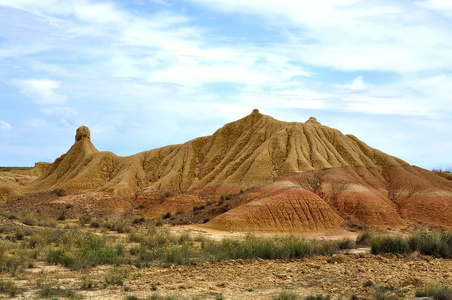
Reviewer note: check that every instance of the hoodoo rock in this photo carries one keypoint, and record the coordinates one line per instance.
(297, 177)
(82, 133)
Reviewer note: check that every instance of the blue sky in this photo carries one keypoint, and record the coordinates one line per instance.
(147, 73)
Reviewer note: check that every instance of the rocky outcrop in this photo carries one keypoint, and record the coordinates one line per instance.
(332, 174)
(279, 208)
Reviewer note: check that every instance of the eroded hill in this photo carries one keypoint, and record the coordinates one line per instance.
(290, 176)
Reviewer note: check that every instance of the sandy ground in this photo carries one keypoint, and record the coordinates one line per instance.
(258, 279)
(202, 230)
(343, 275)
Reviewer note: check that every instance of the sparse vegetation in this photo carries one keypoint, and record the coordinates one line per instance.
(363, 238)
(436, 292)
(253, 247)
(286, 295)
(388, 244)
(225, 197)
(424, 242)
(116, 277)
(82, 250)
(441, 170)
(164, 195)
(368, 283)
(138, 220)
(200, 207)
(8, 287)
(317, 297)
(118, 226)
(289, 295)
(84, 247)
(386, 292)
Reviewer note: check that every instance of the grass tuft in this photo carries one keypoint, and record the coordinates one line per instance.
(436, 292)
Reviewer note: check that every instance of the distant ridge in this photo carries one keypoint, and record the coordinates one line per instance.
(301, 176)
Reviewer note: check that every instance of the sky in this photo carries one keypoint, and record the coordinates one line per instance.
(143, 74)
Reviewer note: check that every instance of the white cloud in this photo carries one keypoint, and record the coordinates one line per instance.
(162, 2)
(5, 126)
(128, 72)
(441, 6)
(355, 35)
(66, 116)
(40, 91)
(357, 84)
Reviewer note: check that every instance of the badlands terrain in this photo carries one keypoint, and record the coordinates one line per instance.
(95, 225)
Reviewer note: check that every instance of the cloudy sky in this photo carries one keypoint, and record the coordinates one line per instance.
(142, 74)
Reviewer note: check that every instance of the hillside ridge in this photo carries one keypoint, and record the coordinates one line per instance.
(332, 176)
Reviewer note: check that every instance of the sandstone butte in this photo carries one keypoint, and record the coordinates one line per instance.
(295, 177)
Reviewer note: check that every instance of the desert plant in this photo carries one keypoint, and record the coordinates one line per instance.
(286, 295)
(3, 228)
(425, 242)
(59, 192)
(317, 297)
(368, 283)
(8, 287)
(436, 292)
(363, 239)
(200, 207)
(164, 195)
(29, 219)
(139, 220)
(85, 219)
(388, 244)
(87, 283)
(178, 254)
(268, 248)
(431, 243)
(87, 250)
(346, 243)
(386, 292)
(225, 197)
(116, 277)
(94, 223)
(62, 216)
(118, 226)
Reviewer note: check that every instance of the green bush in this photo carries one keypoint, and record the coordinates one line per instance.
(8, 287)
(118, 226)
(317, 297)
(437, 292)
(116, 277)
(29, 219)
(90, 250)
(225, 197)
(47, 222)
(386, 292)
(267, 248)
(364, 238)
(425, 242)
(286, 295)
(95, 223)
(178, 254)
(368, 283)
(388, 244)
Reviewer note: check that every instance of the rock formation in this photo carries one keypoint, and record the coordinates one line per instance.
(304, 176)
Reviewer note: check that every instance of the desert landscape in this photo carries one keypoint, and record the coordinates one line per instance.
(261, 209)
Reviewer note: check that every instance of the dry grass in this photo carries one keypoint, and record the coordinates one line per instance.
(118, 245)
